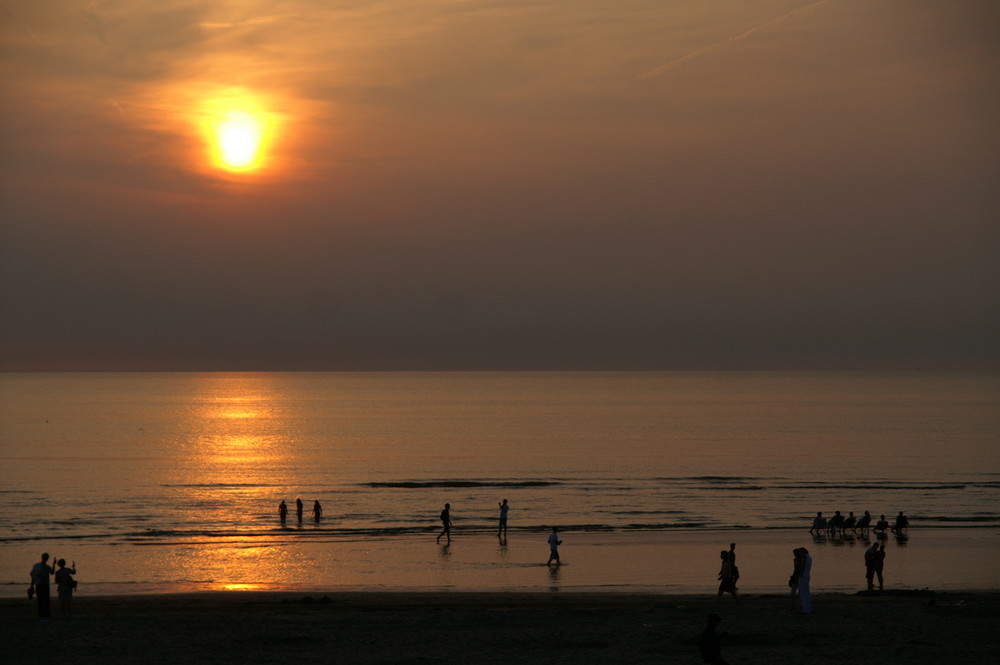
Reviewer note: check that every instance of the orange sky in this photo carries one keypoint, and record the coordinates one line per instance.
(643, 184)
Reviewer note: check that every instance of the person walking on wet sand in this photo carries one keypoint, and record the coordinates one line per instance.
(445, 523)
(727, 577)
(283, 512)
(554, 544)
(317, 511)
(298, 510)
(40, 574)
(711, 650)
(65, 584)
(502, 528)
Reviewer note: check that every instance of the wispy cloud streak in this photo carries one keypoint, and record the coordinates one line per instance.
(694, 55)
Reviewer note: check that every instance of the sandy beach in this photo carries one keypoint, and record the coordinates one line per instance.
(918, 627)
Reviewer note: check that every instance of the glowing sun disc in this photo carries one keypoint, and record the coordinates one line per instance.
(238, 140)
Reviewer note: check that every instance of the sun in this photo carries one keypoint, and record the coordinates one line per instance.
(238, 139)
(238, 131)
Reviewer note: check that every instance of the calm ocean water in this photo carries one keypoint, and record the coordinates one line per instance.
(186, 463)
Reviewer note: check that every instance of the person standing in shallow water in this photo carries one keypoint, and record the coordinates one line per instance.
(445, 523)
(879, 563)
(283, 512)
(298, 510)
(502, 528)
(870, 556)
(317, 511)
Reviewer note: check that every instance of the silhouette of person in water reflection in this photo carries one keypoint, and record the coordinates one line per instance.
(445, 523)
(317, 511)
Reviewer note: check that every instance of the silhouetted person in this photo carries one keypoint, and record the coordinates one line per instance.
(837, 523)
(819, 524)
(732, 553)
(879, 564)
(805, 595)
(864, 522)
(283, 512)
(798, 559)
(298, 510)
(502, 528)
(40, 574)
(850, 522)
(870, 554)
(554, 544)
(445, 523)
(727, 577)
(901, 524)
(881, 526)
(711, 651)
(317, 511)
(65, 584)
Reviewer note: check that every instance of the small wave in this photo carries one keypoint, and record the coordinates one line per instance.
(216, 485)
(421, 484)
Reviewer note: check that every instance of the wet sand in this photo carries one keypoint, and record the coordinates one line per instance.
(913, 627)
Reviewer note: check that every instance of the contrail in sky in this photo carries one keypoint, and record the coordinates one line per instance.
(674, 64)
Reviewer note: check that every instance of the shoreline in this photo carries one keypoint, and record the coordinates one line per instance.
(917, 627)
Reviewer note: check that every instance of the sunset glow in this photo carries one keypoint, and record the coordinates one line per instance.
(238, 132)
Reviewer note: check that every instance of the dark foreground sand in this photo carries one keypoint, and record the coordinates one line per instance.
(246, 627)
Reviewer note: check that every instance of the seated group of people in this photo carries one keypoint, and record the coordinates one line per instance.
(840, 524)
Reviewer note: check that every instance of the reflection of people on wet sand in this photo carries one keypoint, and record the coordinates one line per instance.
(901, 523)
(554, 544)
(502, 529)
(711, 651)
(445, 523)
(819, 524)
(317, 511)
(283, 512)
(298, 509)
(65, 584)
(40, 573)
(727, 577)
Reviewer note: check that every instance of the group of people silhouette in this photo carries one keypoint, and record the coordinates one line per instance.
(840, 525)
(317, 511)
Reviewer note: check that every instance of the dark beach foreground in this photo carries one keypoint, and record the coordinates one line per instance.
(250, 627)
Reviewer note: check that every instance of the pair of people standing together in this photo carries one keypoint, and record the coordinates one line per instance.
(65, 584)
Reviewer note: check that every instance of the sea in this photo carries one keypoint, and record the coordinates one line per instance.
(171, 482)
